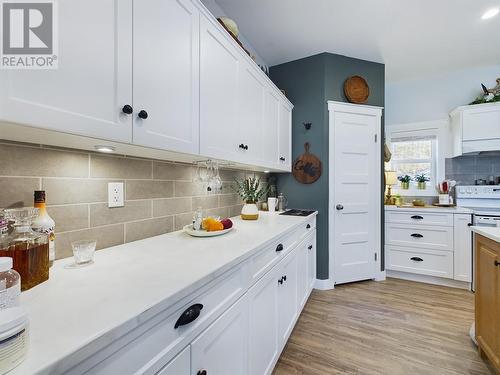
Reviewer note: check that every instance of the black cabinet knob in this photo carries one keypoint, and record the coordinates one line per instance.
(189, 315)
(127, 109)
(497, 263)
(142, 114)
(202, 372)
(339, 207)
(282, 158)
(416, 259)
(242, 146)
(246, 147)
(310, 247)
(308, 226)
(279, 248)
(416, 235)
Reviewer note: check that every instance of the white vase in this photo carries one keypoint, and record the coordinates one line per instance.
(250, 212)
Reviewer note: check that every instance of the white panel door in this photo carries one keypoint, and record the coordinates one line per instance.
(252, 96)
(166, 75)
(263, 333)
(270, 136)
(356, 181)
(302, 273)
(93, 82)
(285, 137)
(287, 298)
(463, 248)
(219, 71)
(180, 365)
(222, 348)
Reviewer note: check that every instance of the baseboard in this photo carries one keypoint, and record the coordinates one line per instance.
(429, 279)
(380, 276)
(326, 284)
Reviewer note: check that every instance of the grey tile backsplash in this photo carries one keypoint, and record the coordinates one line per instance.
(160, 197)
(466, 169)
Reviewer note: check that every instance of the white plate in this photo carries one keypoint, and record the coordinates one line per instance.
(203, 233)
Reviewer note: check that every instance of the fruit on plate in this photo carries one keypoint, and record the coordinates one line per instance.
(212, 225)
(227, 223)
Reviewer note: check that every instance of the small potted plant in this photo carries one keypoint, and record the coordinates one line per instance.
(421, 181)
(250, 191)
(405, 181)
(398, 201)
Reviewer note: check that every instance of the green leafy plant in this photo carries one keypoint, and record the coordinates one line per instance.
(421, 178)
(482, 100)
(405, 178)
(250, 189)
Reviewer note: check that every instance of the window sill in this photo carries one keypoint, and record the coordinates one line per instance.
(414, 192)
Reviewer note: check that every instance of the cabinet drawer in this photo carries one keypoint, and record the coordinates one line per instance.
(419, 218)
(153, 348)
(424, 262)
(307, 228)
(437, 238)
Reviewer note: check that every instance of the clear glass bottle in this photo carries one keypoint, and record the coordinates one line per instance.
(43, 223)
(29, 250)
(198, 219)
(10, 284)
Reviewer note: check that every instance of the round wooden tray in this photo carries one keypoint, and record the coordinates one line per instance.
(356, 90)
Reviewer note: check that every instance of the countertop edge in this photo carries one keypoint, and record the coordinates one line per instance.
(492, 233)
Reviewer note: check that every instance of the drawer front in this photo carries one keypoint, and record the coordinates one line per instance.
(437, 238)
(419, 218)
(424, 262)
(151, 350)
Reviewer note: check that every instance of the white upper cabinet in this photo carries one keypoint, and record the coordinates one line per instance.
(270, 133)
(219, 72)
(285, 136)
(85, 95)
(166, 75)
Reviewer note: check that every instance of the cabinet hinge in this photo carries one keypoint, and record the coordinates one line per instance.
(375, 257)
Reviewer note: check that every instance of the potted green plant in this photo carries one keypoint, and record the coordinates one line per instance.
(421, 181)
(405, 181)
(250, 191)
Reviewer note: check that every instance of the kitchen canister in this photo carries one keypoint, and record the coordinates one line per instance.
(444, 199)
(13, 338)
(271, 204)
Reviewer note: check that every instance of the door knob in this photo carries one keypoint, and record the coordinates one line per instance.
(339, 207)
(142, 114)
(127, 109)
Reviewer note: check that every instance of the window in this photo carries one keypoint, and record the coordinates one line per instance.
(415, 155)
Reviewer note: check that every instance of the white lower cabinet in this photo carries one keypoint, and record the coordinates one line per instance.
(223, 348)
(287, 297)
(180, 365)
(463, 248)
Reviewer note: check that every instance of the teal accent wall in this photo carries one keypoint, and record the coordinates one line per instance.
(309, 83)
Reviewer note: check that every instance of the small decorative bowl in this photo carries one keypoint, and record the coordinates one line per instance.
(418, 202)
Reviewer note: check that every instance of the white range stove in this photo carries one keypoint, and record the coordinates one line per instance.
(484, 200)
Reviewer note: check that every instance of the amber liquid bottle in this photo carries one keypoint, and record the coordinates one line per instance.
(29, 250)
(43, 223)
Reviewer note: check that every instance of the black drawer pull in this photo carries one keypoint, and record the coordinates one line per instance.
(202, 372)
(417, 217)
(417, 259)
(470, 224)
(279, 248)
(416, 235)
(497, 263)
(308, 226)
(188, 316)
(282, 158)
(280, 281)
(284, 278)
(310, 247)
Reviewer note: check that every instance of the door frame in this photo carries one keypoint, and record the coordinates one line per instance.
(333, 107)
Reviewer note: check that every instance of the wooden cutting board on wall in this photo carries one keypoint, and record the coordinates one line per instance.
(307, 168)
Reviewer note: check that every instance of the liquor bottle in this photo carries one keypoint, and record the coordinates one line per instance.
(43, 223)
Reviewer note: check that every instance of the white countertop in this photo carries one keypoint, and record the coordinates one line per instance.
(452, 210)
(493, 233)
(84, 309)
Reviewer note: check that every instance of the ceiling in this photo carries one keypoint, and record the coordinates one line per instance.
(414, 38)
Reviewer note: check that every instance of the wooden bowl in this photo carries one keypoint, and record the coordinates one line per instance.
(356, 90)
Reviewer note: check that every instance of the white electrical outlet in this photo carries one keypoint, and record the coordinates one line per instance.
(115, 194)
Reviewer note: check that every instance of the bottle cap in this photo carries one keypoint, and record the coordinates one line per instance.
(39, 196)
(5, 264)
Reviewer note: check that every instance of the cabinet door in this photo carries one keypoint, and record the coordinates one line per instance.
(263, 335)
(270, 136)
(252, 96)
(85, 95)
(481, 123)
(222, 348)
(219, 71)
(166, 74)
(285, 137)
(302, 277)
(287, 298)
(463, 248)
(311, 262)
(487, 294)
(180, 365)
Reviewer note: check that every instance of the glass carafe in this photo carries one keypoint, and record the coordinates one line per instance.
(29, 250)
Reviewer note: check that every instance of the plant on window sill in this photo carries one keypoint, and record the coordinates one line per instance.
(421, 180)
(405, 181)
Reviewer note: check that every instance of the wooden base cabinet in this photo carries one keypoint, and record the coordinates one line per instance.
(487, 298)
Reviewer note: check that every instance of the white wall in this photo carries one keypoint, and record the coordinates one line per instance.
(432, 98)
(217, 11)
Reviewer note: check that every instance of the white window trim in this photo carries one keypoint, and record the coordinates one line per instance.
(441, 130)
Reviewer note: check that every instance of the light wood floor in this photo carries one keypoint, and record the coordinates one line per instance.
(390, 327)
